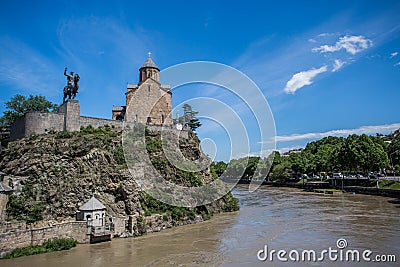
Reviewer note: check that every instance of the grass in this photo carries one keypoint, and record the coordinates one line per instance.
(302, 181)
(51, 245)
(387, 184)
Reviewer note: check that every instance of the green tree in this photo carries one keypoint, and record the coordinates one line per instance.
(325, 153)
(19, 105)
(393, 151)
(302, 162)
(189, 117)
(218, 167)
(361, 153)
(281, 169)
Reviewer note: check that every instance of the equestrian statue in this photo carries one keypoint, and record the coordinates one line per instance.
(71, 89)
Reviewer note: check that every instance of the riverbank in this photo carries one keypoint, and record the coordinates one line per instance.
(358, 189)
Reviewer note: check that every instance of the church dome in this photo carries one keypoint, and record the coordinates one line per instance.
(149, 64)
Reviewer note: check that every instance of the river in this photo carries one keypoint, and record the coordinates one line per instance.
(281, 218)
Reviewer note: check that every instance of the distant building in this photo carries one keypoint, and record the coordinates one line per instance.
(293, 151)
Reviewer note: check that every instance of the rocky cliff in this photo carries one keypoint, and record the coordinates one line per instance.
(63, 170)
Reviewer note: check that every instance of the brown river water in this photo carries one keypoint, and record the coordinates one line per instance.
(281, 218)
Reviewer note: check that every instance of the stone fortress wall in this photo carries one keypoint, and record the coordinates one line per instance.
(67, 119)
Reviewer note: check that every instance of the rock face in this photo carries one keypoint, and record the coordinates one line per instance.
(63, 170)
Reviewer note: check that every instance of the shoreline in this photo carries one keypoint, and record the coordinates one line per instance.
(154, 224)
(384, 192)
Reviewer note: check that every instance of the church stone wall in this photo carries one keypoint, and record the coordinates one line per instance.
(149, 100)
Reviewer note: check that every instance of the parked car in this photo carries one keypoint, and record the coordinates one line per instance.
(337, 175)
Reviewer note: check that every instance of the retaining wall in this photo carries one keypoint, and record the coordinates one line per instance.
(23, 238)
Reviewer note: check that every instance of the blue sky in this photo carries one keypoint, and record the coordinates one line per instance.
(325, 68)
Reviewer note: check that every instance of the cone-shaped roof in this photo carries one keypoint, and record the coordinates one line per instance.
(149, 63)
(92, 204)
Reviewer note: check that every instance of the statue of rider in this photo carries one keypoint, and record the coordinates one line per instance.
(70, 78)
(71, 89)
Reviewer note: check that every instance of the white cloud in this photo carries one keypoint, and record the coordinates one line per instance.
(397, 64)
(392, 55)
(302, 78)
(352, 44)
(338, 64)
(325, 34)
(387, 128)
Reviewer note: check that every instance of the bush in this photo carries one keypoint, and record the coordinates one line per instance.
(55, 244)
(141, 225)
(58, 244)
(232, 203)
(206, 216)
(64, 135)
(87, 130)
(23, 207)
(192, 177)
(119, 156)
(153, 144)
(154, 206)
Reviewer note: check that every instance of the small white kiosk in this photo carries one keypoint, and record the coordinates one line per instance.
(94, 212)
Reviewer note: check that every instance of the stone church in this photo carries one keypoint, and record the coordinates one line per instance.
(148, 102)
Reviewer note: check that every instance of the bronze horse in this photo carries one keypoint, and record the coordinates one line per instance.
(71, 89)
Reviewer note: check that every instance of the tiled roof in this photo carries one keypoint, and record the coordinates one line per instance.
(92, 204)
(149, 64)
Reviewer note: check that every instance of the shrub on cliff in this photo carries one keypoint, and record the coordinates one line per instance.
(23, 206)
(232, 203)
